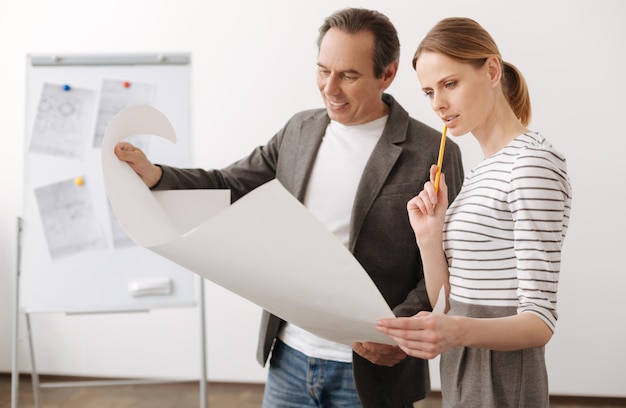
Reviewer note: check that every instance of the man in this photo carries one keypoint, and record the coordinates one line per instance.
(354, 165)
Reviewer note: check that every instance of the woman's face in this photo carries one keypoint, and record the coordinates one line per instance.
(460, 94)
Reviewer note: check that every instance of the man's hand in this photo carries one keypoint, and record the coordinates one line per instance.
(381, 354)
(149, 173)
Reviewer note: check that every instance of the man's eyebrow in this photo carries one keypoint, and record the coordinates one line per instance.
(347, 71)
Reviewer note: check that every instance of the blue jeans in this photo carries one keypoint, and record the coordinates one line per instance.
(298, 381)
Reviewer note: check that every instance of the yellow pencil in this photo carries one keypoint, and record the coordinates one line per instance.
(440, 159)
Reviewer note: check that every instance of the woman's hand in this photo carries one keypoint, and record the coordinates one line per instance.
(427, 210)
(425, 335)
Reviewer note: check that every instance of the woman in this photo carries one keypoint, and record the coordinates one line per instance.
(501, 237)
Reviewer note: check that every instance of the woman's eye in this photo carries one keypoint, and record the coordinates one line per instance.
(450, 84)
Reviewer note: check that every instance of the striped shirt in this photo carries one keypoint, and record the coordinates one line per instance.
(504, 232)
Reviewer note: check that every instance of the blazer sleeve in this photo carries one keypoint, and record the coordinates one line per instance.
(240, 177)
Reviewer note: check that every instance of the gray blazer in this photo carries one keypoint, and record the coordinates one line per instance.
(381, 238)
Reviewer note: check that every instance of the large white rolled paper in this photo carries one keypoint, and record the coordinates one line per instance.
(266, 247)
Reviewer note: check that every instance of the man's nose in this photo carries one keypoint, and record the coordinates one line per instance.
(332, 86)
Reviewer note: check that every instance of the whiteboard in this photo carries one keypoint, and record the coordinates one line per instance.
(74, 257)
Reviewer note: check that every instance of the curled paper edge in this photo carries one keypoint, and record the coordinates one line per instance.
(148, 225)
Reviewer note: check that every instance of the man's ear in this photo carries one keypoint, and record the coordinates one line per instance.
(389, 74)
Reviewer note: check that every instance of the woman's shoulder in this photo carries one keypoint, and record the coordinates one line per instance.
(537, 159)
(532, 148)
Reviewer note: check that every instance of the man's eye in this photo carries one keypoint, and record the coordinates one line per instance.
(349, 78)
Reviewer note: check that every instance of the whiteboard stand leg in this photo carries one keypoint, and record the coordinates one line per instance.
(15, 373)
(15, 376)
(34, 375)
(203, 377)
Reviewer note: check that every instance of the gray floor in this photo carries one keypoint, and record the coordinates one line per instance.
(186, 394)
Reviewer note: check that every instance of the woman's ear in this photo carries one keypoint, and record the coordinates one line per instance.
(494, 70)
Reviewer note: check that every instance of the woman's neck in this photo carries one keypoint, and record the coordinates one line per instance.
(498, 132)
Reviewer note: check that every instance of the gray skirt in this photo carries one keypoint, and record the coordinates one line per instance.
(483, 378)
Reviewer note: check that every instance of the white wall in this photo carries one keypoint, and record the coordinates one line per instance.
(254, 65)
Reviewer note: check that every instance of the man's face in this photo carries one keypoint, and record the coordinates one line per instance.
(345, 77)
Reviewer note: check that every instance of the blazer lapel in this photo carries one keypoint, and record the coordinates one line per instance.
(382, 160)
(311, 135)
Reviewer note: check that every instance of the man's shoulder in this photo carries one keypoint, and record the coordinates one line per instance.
(305, 122)
(400, 115)
(315, 113)
(424, 135)
(423, 128)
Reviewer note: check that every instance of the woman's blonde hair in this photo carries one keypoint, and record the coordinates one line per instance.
(466, 41)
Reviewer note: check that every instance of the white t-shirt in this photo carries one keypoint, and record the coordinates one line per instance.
(335, 177)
